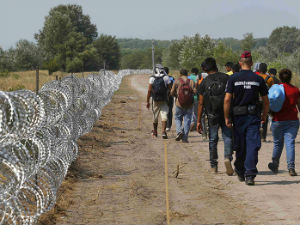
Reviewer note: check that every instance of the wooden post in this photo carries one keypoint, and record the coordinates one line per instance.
(104, 66)
(37, 80)
(56, 77)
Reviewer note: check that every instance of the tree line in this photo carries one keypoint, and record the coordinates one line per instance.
(280, 49)
(69, 42)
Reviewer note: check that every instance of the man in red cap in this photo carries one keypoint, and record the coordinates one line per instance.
(242, 93)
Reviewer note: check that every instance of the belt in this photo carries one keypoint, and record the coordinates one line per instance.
(246, 110)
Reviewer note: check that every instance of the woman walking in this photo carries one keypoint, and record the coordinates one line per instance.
(285, 125)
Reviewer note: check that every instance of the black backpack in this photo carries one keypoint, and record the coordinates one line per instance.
(159, 91)
(214, 96)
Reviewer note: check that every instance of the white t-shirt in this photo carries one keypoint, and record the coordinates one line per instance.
(166, 79)
(204, 75)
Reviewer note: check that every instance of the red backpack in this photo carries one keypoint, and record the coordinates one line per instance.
(185, 93)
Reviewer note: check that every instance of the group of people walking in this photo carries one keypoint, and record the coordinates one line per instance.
(237, 103)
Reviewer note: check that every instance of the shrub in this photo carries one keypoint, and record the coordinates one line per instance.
(16, 76)
(18, 87)
(4, 74)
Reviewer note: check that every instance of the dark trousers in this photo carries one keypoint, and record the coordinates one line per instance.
(247, 144)
(204, 125)
(265, 129)
(170, 114)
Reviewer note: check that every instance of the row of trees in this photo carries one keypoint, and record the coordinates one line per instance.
(191, 52)
(280, 50)
(68, 41)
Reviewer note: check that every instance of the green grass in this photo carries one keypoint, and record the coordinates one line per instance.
(12, 81)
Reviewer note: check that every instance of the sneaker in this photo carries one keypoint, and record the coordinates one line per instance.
(229, 169)
(273, 167)
(154, 133)
(164, 135)
(179, 136)
(168, 129)
(292, 172)
(249, 181)
(185, 141)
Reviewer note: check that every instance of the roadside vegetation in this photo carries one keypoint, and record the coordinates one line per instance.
(13, 81)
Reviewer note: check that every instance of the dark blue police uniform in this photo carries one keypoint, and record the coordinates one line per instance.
(246, 87)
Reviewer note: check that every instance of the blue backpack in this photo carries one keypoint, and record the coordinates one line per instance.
(276, 97)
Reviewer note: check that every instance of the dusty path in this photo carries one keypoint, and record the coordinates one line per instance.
(119, 176)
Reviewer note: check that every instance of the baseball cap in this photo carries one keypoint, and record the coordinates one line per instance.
(246, 54)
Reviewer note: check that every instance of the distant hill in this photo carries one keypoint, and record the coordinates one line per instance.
(136, 43)
(235, 44)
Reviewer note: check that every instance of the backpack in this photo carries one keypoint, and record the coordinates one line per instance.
(159, 91)
(172, 80)
(266, 80)
(185, 93)
(276, 97)
(214, 96)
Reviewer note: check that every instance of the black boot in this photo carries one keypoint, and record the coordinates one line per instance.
(273, 166)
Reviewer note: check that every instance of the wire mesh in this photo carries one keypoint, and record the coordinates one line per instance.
(38, 139)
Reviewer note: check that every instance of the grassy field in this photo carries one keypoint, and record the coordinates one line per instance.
(26, 80)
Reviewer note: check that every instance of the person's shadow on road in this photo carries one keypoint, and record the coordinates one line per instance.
(282, 182)
(268, 172)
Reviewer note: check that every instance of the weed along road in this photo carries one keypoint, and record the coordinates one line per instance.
(124, 176)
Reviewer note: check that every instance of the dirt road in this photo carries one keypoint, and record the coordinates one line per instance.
(119, 178)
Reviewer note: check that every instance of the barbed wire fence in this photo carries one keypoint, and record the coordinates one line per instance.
(38, 139)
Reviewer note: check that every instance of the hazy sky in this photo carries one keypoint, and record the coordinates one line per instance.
(158, 19)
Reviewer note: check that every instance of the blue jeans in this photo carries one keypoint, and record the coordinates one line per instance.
(284, 132)
(185, 115)
(195, 112)
(247, 144)
(213, 142)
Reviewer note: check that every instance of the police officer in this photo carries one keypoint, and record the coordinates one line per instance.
(242, 92)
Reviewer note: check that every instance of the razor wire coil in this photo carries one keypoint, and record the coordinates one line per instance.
(38, 134)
